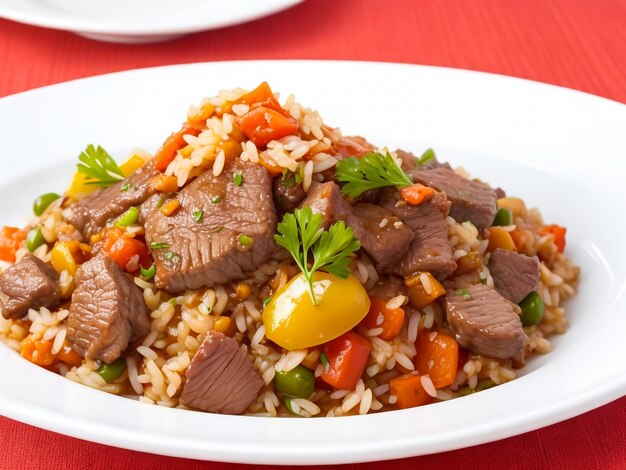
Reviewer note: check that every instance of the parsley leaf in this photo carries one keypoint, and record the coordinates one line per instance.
(427, 156)
(99, 167)
(464, 293)
(197, 215)
(148, 274)
(371, 171)
(301, 234)
(238, 178)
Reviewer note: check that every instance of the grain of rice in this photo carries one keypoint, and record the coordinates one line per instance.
(373, 370)
(396, 302)
(324, 165)
(218, 165)
(306, 405)
(366, 402)
(258, 336)
(381, 389)
(441, 395)
(426, 283)
(374, 331)
(360, 388)
(413, 325)
(392, 399)
(351, 400)
(143, 284)
(383, 223)
(59, 339)
(290, 360)
(308, 175)
(149, 340)
(339, 394)
(404, 361)
(391, 363)
(146, 400)
(427, 383)
(147, 353)
(473, 381)
(429, 318)
(319, 370)
(240, 109)
(131, 367)
(268, 375)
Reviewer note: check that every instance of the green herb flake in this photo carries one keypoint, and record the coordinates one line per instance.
(99, 167)
(288, 405)
(173, 301)
(197, 215)
(245, 240)
(148, 274)
(171, 256)
(464, 293)
(159, 246)
(427, 156)
(298, 178)
(371, 171)
(128, 218)
(160, 202)
(217, 199)
(125, 187)
(324, 360)
(302, 234)
(238, 178)
(266, 301)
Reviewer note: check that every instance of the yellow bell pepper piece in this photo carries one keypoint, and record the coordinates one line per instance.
(131, 165)
(500, 238)
(293, 322)
(79, 188)
(418, 296)
(68, 256)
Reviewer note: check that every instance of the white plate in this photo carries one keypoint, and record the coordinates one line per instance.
(138, 21)
(557, 148)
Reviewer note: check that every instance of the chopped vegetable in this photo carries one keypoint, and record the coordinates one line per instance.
(293, 322)
(289, 406)
(128, 218)
(225, 325)
(11, 239)
(409, 391)
(559, 235)
(216, 199)
(164, 183)
(237, 179)
(419, 296)
(532, 309)
(34, 239)
(121, 248)
(428, 155)
(262, 125)
(514, 204)
(323, 359)
(171, 256)
(112, 372)
(166, 154)
(99, 167)
(464, 293)
(298, 382)
(389, 319)
(147, 274)
(261, 96)
(68, 256)
(519, 239)
(437, 354)
(197, 215)
(69, 356)
(416, 194)
(169, 207)
(332, 249)
(125, 187)
(159, 246)
(373, 170)
(132, 165)
(503, 217)
(500, 238)
(266, 301)
(43, 202)
(347, 357)
(37, 351)
(468, 263)
(245, 240)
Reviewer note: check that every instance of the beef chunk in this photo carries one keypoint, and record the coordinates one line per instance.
(471, 200)
(220, 378)
(221, 231)
(287, 194)
(91, 214)
(382, 235)
(107, 311)
(410, 162)
(429, 250)
(30, 283)
(514, 275)
(485, 322)
(388, 287)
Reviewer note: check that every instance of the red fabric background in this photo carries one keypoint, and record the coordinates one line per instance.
(576, 44)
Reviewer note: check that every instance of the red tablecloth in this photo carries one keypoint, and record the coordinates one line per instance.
(577, 44)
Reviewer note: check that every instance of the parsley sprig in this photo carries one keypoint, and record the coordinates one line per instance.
(371, 171)
(99, 167)
(301, 234)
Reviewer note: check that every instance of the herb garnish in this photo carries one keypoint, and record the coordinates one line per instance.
(464, 293)
(159, 246)
(266, 301)
(171, 256)
(371, 171)
(99, 167)
(147, 274)
(238, 178)
(125, 187)
(428, 155)
(197, 215)
(302, 232)
(324, 359)
(216, 199)
(244, 240)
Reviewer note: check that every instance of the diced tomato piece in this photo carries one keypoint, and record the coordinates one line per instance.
(166, 154)
(347, 356)
(262, 125)
(559, 235)
(11, 239)
(409, 391)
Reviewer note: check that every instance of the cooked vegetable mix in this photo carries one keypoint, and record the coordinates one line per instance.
(262, 263)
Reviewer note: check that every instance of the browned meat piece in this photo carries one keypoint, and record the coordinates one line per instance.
(91, 214)
(429, 250)
(410, 161)
(461, 281)
(107, 312)
(220, 378)
(514, 275)
(485, 322)
(471, 200)
(287, 194)
(221, 231)
(30, 283)
(386, 244)
(388, 287)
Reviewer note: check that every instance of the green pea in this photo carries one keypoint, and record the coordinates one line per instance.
(532, 309)
(128, 218)
(503, 218)
(34, 239)
(299, 382)
(113, 371)
(42, 202)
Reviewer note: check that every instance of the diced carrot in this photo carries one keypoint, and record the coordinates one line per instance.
(164, 156)
(468, 263)
(559, 235)
(121, 249)
(164, 183)
(11, 239)
(437, 354)
(419, 296)
(353, 146)
(69, 356)
(409, 391)
(262, 125)
(169, 207)
(500, 238)
(519, 239)
(347, 356)
(37, 351)
(416, 194)
(379, 316)
(225, 325)
(200, 116)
